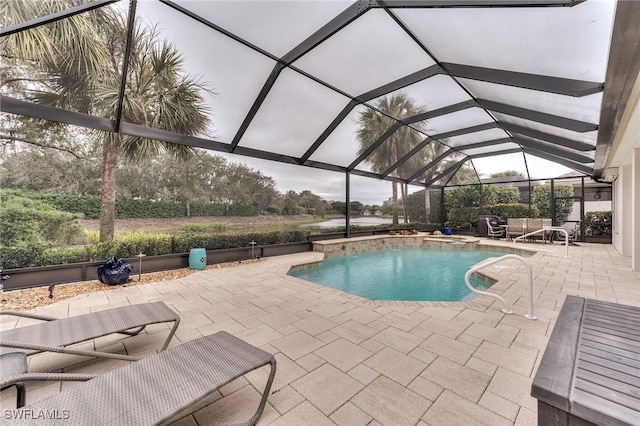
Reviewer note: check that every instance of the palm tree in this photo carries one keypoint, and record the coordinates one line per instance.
(81, 58)
(373, 124)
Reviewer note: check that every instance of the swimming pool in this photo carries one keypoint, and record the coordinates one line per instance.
(413, 274)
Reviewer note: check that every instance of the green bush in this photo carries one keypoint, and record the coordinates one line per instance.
(194, 227)
(218, 227)
(274, 210)
(597, 223)
(21, 256)
(27, 221)
(460, 217)
(542, 199)
(512, 210)
(240, 210)
(211, 209)
(89, 206)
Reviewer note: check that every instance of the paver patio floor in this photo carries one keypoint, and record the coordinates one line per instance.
(343, 360)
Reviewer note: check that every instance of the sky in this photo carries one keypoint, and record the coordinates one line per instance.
(366, 54)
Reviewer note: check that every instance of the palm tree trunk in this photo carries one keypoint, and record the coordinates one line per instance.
(394, 201)
(110, 155)
(427, 206)
(405, 194)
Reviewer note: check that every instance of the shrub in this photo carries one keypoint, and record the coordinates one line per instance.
(194, 227)
(460, 217)
(512, 210)
(21, 256)
(240, 210)
(218, 227)
(26, 221)
(597, 223)
(274, 210)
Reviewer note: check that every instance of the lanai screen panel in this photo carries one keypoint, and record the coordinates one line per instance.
(531, 40)
(293, 115)
(430, 94)
(364, 55)
(487, 166)
(585, 137)
(459, 142)
(458, 120)
(232, 71)
(274, 26)
(50, 90)
(341, 147)
(585, 108)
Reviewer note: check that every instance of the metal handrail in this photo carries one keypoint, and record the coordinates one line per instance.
(545, 229)
(506, 308)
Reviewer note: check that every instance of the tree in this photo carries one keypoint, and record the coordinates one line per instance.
(51, 170)
(373, 124)
(290, 202)
(80, 59)
(542, 199)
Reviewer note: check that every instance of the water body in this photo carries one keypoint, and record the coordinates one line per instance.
(359, 220)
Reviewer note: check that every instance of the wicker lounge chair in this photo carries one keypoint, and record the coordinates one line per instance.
(155, 389)
(15, 363)
(55, 334)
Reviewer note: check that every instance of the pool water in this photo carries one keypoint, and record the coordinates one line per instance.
(426, 274)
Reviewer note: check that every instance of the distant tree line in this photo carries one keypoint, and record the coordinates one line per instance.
(201, 180)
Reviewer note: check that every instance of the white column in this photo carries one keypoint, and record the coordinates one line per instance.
(635, 209)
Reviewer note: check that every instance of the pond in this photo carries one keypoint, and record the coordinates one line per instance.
(358, 220)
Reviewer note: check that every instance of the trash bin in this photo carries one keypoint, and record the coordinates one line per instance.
(479, 224)
(198, 259)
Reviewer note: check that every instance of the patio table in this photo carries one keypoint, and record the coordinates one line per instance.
(590, 370)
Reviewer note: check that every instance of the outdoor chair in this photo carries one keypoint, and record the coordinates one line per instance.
(55, 334)
(493, 232)
(515, 227)
(15, 364)
(534, 225)
(156, 389)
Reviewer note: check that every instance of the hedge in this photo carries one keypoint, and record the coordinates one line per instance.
(512, 210)
(461, 216)
(129, 245)
(89, 206)
(597, 223)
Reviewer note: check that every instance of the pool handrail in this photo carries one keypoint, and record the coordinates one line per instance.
(491, 261)
(545, 229)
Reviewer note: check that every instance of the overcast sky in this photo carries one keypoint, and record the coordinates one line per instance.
(368, 53)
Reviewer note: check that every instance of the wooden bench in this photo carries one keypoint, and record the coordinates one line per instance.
(590, 370)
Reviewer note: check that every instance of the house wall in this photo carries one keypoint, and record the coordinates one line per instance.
(626, 166)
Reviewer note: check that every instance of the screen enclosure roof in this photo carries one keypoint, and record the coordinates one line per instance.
(456, 82)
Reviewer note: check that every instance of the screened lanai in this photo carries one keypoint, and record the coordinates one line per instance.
(536, 86)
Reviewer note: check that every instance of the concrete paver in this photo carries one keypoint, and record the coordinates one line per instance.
(349, 361)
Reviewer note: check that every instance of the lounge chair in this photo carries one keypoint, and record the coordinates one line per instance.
(55, 334)
(155, 389)
(15, 363)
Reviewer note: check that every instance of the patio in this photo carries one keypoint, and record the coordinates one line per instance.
(349, 361)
